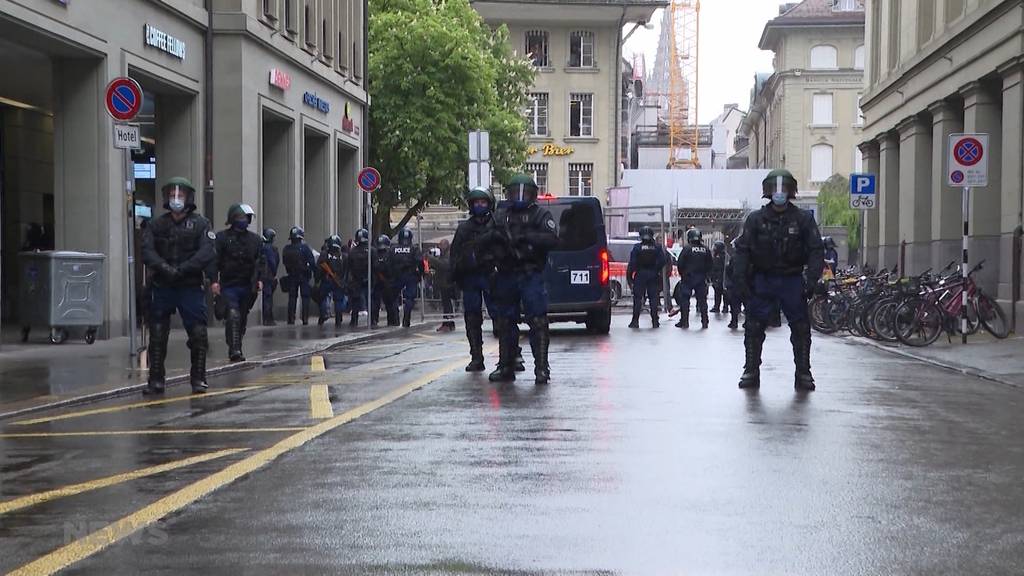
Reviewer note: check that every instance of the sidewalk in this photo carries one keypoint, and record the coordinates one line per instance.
(983, 356)
(36, 376)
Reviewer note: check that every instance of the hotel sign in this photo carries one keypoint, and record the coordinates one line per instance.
(280, 79)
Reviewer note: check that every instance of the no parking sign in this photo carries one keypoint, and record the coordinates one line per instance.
(968, 160)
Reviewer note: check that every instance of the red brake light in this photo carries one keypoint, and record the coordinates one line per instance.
(605, 268)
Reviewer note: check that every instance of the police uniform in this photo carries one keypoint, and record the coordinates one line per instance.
(355, 275)
(524, 232)
(718, 276)
(176, 252)
(407, 263)
(644, 272)
(272, 260)
(779, 260)
(443, 287)
(237, 268)
(299, 264)
(694, 264)
(383, 291)
(331, 271)
(473, 264)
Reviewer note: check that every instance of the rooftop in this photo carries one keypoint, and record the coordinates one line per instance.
(567, 11)
(813, 13)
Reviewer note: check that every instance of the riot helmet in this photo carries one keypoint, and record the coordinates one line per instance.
(269, 234)
(405, 237)
(647, 235)
(521, 191)
(296, 234)
(240, 216)
(718, 247)
(362, 237)
(179, 195)
(383, 241)
(480, 202)
(771, 184)
(693, 236)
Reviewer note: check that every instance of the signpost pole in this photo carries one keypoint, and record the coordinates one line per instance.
(963, 295)
(129, 181)
(370, 254)
(863, 239)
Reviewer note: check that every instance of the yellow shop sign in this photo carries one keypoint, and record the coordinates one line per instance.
(551, 150)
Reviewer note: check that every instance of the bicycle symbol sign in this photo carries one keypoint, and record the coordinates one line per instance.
(967, 164)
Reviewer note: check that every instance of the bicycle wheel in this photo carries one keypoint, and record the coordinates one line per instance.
(992, 317)
(883, 321)
(816, 310)
(918, 323)
(835, 315)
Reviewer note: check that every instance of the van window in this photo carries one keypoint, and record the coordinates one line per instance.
(577, 225)
(619, 251)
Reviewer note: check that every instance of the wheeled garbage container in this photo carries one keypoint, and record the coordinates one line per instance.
(59, 290)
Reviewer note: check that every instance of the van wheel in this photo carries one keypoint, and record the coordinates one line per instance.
(599, 322)
(615, 293)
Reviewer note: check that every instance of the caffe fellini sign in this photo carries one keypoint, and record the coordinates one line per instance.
(551, 150)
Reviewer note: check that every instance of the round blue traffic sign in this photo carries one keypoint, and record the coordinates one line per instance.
(369, 179)
(968, 151)
(124, 98)
(957, 176)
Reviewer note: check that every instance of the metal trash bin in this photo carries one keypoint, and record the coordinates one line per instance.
(61, 290)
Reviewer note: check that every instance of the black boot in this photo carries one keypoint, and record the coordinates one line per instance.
(407, 317)
(735, 319)
(636, 321)
(505, 372)
(157, 350)
(393, 316)
(753, 341)
(354, 320)
(718, 303)
(475, 335)
(540, 338)
(800, 338)
(655, 319)
(520, 364)
(233, 335)
(198, 344)
(684, 317)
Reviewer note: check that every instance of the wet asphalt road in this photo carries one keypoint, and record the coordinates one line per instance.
(641, 457)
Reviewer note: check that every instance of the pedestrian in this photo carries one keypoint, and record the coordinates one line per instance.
(694, 265)
(407, 261)
(383, 284)
(235, 275)
(644, 273)
(473, 265)
(177, 248)
(272, 260)
(718, 275)
(331, 270)
(356, 278)
(831, 254)
(299, 264)
(779, 260)
(444, 288)
(525, 233)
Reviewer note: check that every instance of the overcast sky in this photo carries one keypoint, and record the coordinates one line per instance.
(729, 57)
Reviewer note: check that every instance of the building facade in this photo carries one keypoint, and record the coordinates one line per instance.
(280, 101)
(573, 112)
(936, 68)
(805, 116)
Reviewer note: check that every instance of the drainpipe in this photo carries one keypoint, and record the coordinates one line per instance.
(208, 115)
(618, 92)
(1018, 239)
(364, 150)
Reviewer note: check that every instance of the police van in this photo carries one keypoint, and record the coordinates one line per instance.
(578, 274)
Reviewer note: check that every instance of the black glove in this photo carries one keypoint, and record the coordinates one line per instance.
(168, 272)
(743, 291)
(809, 288)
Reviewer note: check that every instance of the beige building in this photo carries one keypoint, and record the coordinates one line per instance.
(574, 103)
(937, 68)
(282, 105)
(804, 116)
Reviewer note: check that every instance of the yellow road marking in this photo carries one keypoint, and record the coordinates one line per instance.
(316, 364)
(427, 337)
(320, 402)
(100, 539)
(33, 499)
(134, 405)
(150, 432)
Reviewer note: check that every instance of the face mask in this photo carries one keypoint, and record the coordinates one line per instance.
(240, 224)
(779, 197)
(177, 205)
(479, 210)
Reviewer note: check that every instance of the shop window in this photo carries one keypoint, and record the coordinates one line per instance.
(539, 171)
(537, 118)
(581, 179)
(537, 47)
(581, 49)
(581, 115)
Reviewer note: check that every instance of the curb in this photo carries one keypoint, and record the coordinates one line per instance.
(212, 372)
(938, 363)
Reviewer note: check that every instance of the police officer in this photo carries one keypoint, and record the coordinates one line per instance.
(355, 275)
(646, 262)
(272, 260)
(694, 265)
(831, 254)
(177, 247)
(407, 262)
(524, 234)
(331, 271)
(299, 264)
(473, 264)
(718, 274)
(383, 281)
(732, 300)
(235, 274)
(779, 260)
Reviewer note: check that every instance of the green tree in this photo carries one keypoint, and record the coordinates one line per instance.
(834, 207)
(437, 71)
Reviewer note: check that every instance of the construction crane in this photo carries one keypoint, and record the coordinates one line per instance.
(683, 131)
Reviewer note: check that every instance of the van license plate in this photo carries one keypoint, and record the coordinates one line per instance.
(580, 277)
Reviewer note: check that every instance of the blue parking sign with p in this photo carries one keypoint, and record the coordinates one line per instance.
(863, 191)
